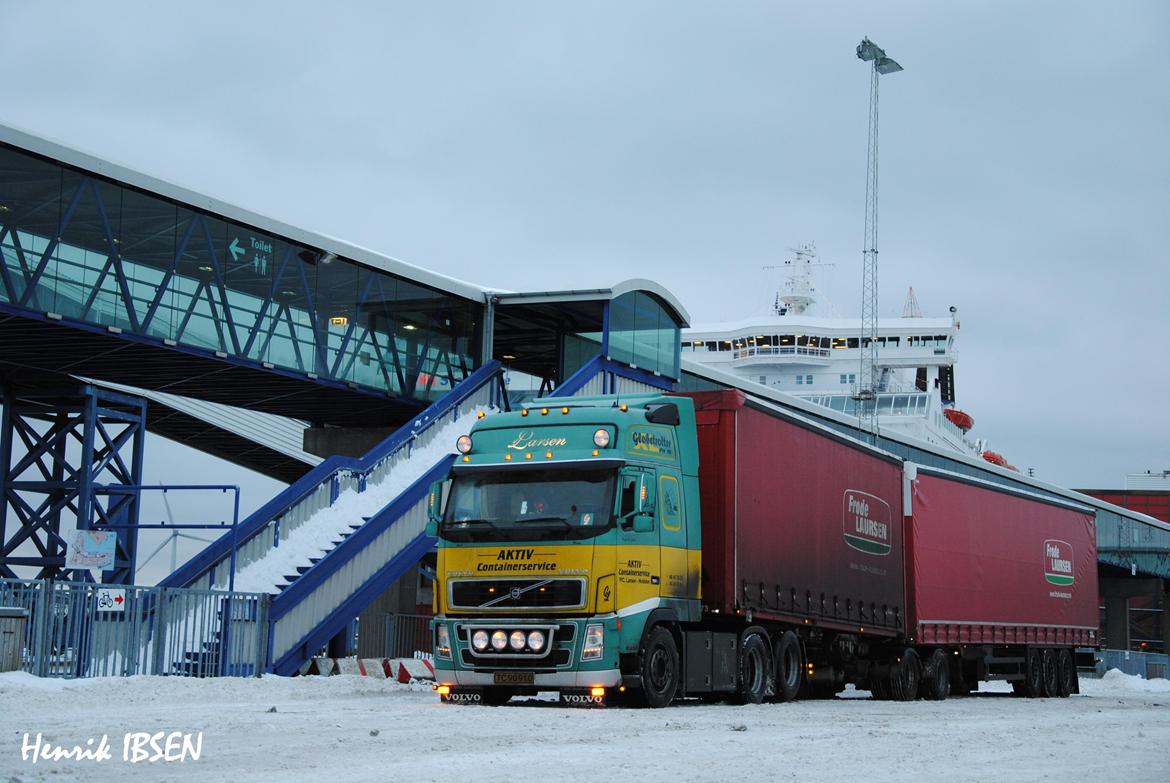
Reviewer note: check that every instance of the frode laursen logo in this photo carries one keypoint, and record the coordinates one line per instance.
(1058, 562)
(866, 522)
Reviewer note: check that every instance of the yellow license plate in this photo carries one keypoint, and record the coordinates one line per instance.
(514, 678)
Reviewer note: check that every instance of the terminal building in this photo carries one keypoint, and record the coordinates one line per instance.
(131, 305)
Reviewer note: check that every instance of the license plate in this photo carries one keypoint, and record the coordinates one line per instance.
(514, 678)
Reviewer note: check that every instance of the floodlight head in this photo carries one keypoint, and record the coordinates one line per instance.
(867, 50)
(885, 65)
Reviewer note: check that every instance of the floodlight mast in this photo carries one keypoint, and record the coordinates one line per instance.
(868, 381)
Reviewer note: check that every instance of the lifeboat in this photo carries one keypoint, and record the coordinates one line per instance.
(960, 419)
(995, 458)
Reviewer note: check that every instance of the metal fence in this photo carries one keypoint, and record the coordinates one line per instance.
(80, 629)
(387, 635)
(1148, 665)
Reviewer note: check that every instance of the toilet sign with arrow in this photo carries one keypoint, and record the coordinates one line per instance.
(258, 249)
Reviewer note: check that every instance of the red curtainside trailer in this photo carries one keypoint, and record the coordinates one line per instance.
(908, 581)
(989, 567)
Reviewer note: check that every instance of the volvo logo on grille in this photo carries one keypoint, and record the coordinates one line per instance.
(516, 591)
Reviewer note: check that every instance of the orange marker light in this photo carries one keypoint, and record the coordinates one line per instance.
(528, 455)
(480, 415)
(624, 408)
(597, 691)
(544, 411)
(524, 412)
(548, 455)
(565, 409)
(507, 458)
(466, 459)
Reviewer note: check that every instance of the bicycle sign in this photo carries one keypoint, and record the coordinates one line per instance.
(111, 599)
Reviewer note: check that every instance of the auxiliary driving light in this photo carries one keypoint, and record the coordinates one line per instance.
(479, 640)
(601, 439)
(517, 640)
(536, 641)
(463, 444)
(499, 640)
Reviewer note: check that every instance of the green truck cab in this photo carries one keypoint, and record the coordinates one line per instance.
(569, 542)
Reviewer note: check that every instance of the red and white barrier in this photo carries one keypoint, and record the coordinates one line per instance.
(397, 669)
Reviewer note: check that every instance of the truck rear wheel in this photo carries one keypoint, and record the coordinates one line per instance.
(1051, 669)
(1067, 672)
(907, 677)
(756, 679)
(789, 666)
(659, 668)
(936, 679)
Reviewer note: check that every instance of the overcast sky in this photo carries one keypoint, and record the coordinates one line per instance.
(1025, 174)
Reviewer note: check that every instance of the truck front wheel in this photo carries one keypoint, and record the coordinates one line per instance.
(659, 668)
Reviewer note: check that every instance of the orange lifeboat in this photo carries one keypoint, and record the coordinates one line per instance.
(960, 419)
(995, 458)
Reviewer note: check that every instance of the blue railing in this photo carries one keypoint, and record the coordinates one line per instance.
(294, 639)
(600, 375)
(267, 518)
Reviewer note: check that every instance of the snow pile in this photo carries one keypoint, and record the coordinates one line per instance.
(317, 534)
(1117, 682)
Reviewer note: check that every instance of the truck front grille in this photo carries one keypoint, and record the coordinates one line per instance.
(507, 594)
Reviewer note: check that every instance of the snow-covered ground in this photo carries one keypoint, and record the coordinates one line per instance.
(359, 729)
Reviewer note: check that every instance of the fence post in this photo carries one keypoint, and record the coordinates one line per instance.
(262, 633)
(41, 650)
(160, 626)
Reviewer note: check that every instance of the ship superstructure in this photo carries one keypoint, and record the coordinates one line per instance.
(817, 358)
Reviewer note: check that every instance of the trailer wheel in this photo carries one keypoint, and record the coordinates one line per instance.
(907, 677)
(1033, 686)
(659, 668)
(1051, 669)
(1067, 672)
(756, 679)
(936, 680)
(789, 665)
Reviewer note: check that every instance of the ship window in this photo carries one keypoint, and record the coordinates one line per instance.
(786, 339)
(801, 340)
(893, 340)
(838, 342)
(852, 377)
(844, 377)
(808, 380)
(725, 345)
(800, 380)
(763, 380)
(853, 342)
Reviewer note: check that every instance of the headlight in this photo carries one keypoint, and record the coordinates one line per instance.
(594, 642)
(443, 645)
(536, 641)
(601, 439)
(463, 444)
(479, 640)
(499, 640)
(517, 640)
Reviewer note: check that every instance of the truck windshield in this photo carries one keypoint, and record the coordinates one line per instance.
(529, 505)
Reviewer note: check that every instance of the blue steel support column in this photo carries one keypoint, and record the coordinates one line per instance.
(74, 460)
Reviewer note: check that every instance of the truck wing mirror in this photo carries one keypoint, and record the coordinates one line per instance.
(643, 523)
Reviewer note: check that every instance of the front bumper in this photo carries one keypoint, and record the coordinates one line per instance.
(605, 678)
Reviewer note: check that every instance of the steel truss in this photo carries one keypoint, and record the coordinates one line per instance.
(67, 463)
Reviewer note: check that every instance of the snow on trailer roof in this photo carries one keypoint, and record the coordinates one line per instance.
(729, 380)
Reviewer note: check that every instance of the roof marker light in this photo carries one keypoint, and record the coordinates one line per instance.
(548, 455)
(480, 415)
(623, 407)
(528, 455)
(565, 409)
(524, 412)
(544, 411)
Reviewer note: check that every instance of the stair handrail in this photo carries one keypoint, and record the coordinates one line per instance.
(288, 498)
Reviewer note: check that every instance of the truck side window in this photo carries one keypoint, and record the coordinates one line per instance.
(629, 499)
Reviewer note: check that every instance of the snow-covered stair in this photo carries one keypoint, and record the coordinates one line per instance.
(330, 543)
